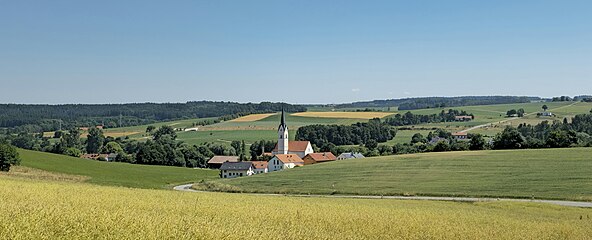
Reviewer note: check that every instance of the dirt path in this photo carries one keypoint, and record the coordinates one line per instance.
(511, 119)
(187, 188)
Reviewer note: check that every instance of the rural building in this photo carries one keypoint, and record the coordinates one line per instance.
(283, 161)
(236, 169)
(104, 157)
(436, 139)
(217, 161)
(349, 155)
(463, 118)
(460, 136)
(259, 166)
(547, 114)
(285, 146)
(313, 158)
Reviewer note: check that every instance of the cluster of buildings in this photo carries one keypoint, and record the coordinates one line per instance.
(286, 154)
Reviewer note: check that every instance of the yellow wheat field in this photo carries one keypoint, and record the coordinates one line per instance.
(32, 209)
(252, 117)
(354, 115)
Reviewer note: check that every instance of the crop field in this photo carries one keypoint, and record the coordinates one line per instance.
(113, 173)
(32, 209)
(252, 117)
(354, 115)
(547, 174)
(227, 136)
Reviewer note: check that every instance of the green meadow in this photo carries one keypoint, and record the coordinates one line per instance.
(547, 174)
(113, 173)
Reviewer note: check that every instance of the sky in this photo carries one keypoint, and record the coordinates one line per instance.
(291, 51)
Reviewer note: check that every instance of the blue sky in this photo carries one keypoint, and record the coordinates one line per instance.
(293, 51)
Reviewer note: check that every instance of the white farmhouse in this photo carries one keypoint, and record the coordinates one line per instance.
(283, 161)
(236, 169)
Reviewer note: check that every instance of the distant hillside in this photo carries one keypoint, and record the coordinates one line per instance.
(34, 117)
(439, 102)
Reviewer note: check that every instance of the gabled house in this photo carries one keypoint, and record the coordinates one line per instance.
(463, 118)
(349, 155)
(460, 136)
(283, 161)
(236, 169)
(217, 161)
(313, 158)
(259, 166)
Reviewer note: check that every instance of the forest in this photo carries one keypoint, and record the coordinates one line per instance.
(33, 118)
(440, 102)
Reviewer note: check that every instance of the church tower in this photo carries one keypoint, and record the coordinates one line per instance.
(283, 136)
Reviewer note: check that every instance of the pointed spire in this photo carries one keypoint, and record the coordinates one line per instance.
(283, 123)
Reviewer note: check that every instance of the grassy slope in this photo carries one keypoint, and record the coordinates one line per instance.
(114, 174)
(549, 173)
(52, 210)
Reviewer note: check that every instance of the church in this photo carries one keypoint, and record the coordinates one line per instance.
(285, 146)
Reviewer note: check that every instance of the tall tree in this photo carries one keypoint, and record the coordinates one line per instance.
(545, 107)
(94, 141)
(8, 156)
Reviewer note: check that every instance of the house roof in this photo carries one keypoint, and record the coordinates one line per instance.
(295, 146)
(459, 134)
(236, 166)
(222, 159)
(322, 157)
(259, 164)
(465, 116)
(289, 158)
(351, 155)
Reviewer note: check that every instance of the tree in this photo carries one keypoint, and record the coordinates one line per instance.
(74, 152)
(8, 156)
(510, 138)
(441, 146)
(520, 112)
(417, 138)
(545, 107)
(371, 144)
(112, 147)
(164, 131)
(243, 152)
(511, 113)
(477, 142)
(236, 145)
(150, 128)
(94, 141)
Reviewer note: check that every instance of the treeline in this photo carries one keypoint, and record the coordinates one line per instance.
(374, 131)
(412, 119)
(440, 102)
(37, 118)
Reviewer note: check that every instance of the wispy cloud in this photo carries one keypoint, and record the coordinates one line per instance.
(355, 89)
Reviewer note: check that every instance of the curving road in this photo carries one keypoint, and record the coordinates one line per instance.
(187, 188)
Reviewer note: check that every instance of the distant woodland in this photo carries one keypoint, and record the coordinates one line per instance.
(440, 102)
(38, 118)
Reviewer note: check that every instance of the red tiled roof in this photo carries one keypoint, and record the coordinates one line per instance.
(222, 159)
(260, 164)
(290, 158)
(322, 157)
(459, 134)
(295, 146)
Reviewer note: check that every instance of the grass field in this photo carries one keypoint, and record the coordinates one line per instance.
(547, 174)
(227, 136)
(112, 173)
(354, 115)
(31, 209)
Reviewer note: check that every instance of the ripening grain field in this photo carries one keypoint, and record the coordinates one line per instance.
(33, 209)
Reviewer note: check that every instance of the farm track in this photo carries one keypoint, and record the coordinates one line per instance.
(187, 188)
(511, 119)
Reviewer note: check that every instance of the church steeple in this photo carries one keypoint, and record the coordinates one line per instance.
(283, 135)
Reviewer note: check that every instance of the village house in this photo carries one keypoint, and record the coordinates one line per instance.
(284, 161)
(236, 169)
(460, 136)
(103, 157)
(313, 158)
(463, 118)
(217, 161)
(259, 166)
(349, 155)
(285, 146)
